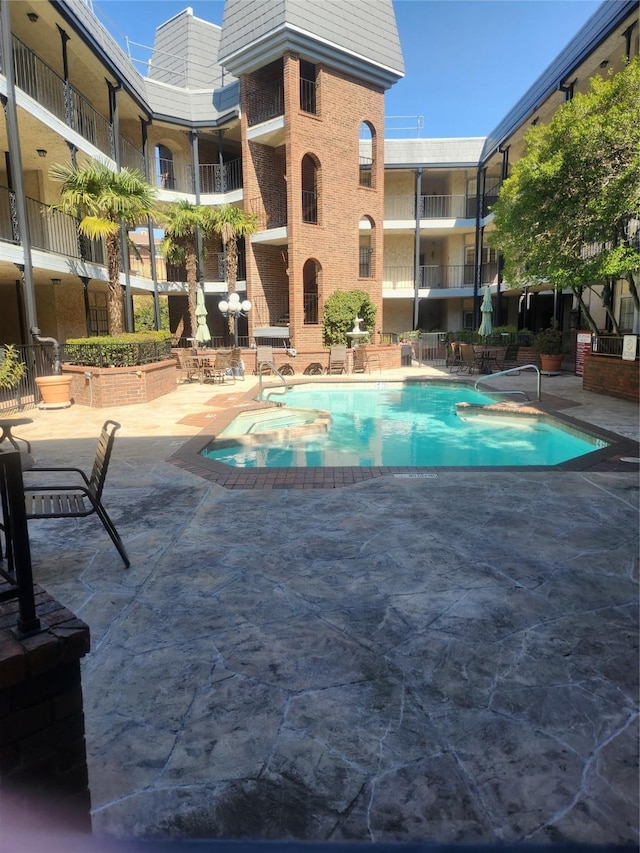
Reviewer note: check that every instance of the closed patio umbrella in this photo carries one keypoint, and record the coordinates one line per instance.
(203, 335)
(486, 309)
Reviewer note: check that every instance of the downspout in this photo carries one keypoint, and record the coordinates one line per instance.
(150, 225)
(477, 272)
(195, 160)
(13, 137)
(114, 115)
(85, 296)
(416, 257)
(504, 174)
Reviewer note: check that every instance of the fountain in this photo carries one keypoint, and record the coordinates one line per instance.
(356, 334)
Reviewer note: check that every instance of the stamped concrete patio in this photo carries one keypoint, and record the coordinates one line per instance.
(442, 658)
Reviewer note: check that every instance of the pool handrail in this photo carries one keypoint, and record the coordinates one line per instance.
(272, 366)
(515, 370)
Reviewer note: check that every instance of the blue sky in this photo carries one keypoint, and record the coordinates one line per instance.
(467, 62)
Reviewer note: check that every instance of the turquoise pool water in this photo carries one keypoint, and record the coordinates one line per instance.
(392, 424)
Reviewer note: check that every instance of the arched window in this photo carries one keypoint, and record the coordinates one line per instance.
(366, 143)
(367, 234)
(310, 189)
(311, 273)
(165, 175)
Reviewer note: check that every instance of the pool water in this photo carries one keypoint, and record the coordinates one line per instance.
(392, 424)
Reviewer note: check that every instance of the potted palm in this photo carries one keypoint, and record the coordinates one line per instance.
(548, 345)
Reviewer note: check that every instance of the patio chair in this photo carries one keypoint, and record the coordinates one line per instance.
(337, 360)
(78, 501)
(509, 359)
(264, 360)
(220, 368)
(362, 360)
(189, 368)
(469, 360)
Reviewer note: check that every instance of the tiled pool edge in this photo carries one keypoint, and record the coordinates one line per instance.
(189, 459)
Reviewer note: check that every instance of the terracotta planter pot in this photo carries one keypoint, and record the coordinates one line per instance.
(55, 391)
(551, 363)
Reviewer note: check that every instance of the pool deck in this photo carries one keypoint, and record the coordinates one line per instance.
(444, 658)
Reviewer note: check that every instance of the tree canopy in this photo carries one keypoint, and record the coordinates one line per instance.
(568, 214)
(102, 201)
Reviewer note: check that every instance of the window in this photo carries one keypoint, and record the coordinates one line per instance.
(164, 168)
(308, 88)
(310, 172)
(467, 321)
(98, 314)
(626, 314)
(366, 150)
(311, 277)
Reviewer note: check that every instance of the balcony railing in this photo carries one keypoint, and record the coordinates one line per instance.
(215, 268)
(49, 230)
(437, 276)
(366, 265)
(610, 345)
(310, 309)
(264, 104)
(308, 96)
(431, 207)
(310, 206)
(175, 175)
(273, 215)
(221, 178)
(41, 82)
(270, 311)
(366, 164)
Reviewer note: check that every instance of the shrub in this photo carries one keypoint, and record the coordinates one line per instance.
(12, 368)
(126, 350)
(340, 310)
(548, 342)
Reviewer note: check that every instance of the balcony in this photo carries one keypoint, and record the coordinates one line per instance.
(270, 311)
(49, 230)
(265, 104)
(310, 206)
(215, 268)
(308, 96)
(431, 207)
(269, 216)
(437, 277)
(36, 79)
(221, 178)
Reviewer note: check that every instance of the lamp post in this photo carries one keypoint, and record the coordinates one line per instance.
(235, 308)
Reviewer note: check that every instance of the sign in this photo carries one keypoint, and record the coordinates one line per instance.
(583, 348)
(629, 347)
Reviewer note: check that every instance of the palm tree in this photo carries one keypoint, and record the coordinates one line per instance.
(181, 222)
(104, 200)
(231, 223)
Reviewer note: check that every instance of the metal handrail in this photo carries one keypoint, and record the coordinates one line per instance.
(270, 364)
(517, 369)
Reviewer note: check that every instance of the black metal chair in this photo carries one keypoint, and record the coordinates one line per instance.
(78, 501)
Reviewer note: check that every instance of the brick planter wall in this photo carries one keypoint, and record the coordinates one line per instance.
(390, 357)
(121, 386)
(43, 768)
(612, 376)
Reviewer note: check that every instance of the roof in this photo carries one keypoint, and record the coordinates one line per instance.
(360, 37)
(460, 152)
(184, 52)
(598, 27)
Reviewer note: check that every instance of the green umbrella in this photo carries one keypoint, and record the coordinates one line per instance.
(203, 335)
(486, 309)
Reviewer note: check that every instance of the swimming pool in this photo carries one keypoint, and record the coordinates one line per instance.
(389, 424)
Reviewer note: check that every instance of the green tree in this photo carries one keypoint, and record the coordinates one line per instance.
(181, 222)
(144, 313)
(231, 223)
(340, 310)
(102, 201)
(569, 212)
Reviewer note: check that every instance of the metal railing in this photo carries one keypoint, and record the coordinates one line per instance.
(42, 83)
(221, 178)
(272, 214)
(17, 575)
(264, 104)
(308, 96)
(38, 360)
(517, 370)
(310, 302)
(9, 230)
(175, 175)
(366, 164)
(365, 267)
(431, 207)
(55, 231)
(608, 345)
(130, 156)
(310, 206)
(270, 311)
(437, 276)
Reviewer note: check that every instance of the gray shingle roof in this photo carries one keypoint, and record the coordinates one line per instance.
(433, 152)
(184, 53)
(362, 33)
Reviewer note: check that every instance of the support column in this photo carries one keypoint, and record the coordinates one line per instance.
(416, 257)
(15, 157)
(114, 115)
(477, 272)
(152, 245)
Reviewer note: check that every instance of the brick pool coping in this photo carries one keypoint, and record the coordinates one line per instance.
(189, 459)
